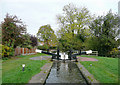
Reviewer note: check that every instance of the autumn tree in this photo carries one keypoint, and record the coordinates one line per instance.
(12, 30)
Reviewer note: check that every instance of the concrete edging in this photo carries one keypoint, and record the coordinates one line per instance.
(89, 77)
(41, 77)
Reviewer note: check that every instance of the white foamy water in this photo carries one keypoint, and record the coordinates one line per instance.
(64, 56)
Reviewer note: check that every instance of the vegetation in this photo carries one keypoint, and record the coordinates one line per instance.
(115, 53)
(44, 47)
(0, 51)
(46, 35)
(73, 27)
(104, 70)
(104, 30)
(14, 34)
(0, 35)
(80, 31)
(12, 30)
(34, 41)
(7, 51)
(30, 41)
(12, 69)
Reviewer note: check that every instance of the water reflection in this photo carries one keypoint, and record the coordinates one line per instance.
(67, 72)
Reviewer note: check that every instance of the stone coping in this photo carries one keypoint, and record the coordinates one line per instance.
(41, 77)
(89, 77)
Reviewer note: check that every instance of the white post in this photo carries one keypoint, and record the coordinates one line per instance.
(27, 51)
(23, 51)
(19, 51)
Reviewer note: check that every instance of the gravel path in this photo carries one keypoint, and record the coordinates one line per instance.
(41, 58)
(87, 59)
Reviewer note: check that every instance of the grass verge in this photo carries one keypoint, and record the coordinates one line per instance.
(105, 70)
(12, 69)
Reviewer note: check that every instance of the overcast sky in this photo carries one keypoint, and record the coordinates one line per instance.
(36, 13)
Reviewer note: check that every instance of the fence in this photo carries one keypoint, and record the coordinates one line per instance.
(95, 53)
(24, 51)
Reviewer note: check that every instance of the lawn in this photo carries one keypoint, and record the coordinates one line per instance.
(105, 70)
(12, 69)
(0, 59)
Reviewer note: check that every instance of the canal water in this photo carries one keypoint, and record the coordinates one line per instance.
(65, 72)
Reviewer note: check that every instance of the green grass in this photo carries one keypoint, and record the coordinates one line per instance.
(105, 70)
(0, 62)
(12, 69)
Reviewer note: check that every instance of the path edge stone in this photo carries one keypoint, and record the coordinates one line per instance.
(41, 77)
(89, 77)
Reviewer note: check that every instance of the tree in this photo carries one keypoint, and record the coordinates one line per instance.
(104, 30)
(118, 42)
(27, 41)
(12, 29)
(34, 41)
(46, 34)
(0, 34)
(73, 25)
(74, 19)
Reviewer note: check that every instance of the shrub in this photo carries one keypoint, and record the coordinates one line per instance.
(7, 51)
(44, 47)
(0, 50)
(115, 52)
(34, 41)
(40, 47)
(29, 47)
(53, 47)
(54, 51)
